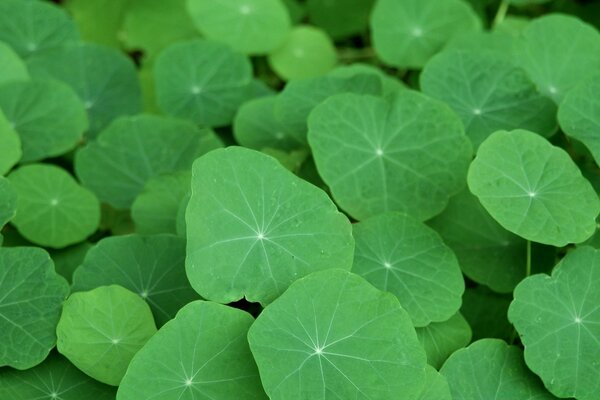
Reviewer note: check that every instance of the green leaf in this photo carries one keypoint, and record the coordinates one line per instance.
(389, 83)
(558, 320)
(104, 78)
(55, 378)
(134, 149)
(331, 335)
(488, 93)
(407, 154)
(259, 26)
(306, 53)
(10, 143)
(401, 255)
(99, 21)
(533, 189)
(68, 259)
(151, 266)
(253, 228)
(203, 81)
(408, 33)
(101, 330)
(497, 42)
(8, 199)
(52, 208)
(436, 386)
(579, 115)
(491, 369)
(32, 296)
(340, 18)
(30, 27)
(180, 222)
(559, 51)
(48, 116)
(155, 209)
(441, 339)
(485, 311)
(194, 356)
(13, 68)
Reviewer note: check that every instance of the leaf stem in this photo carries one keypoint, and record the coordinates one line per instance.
(501, 13)
(528, 263)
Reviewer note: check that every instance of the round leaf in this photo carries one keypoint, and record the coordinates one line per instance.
(253, 228)
(558, 319)
(249, 26)
(10, 145)
(306, 53)
(441, 339)
(101, 330)
(202, 352)
(13, 68)
(408, 154)
(52, 208)
(31, 297)
(407, 33)
(8, 199)
(151, 266)
(401, 255)
(48, 116)
(533, 189)
(134, 149)
(491, 369)
(331, 335)
(202, 81)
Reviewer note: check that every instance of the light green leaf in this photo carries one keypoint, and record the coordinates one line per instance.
(436, 386)
(558, 320)
(151, 266)
(8, 199)
(99, 21)
(253, 228)
(30, 304)
(10, 145)
(331, 335)
(491, 369)
(533, 189)
(48, 116)
(203, 81)
(389, 83)
(306, 53)
(134, 149)
(101, 330)
(499, 43)
(340, 18)
(52, 208)
(407, 154)
(488, 93)
(441, 339)
(202, 352)
(401, 255)
(407, 33)
(13, 68)
(485, 311)
(249, 26)
(559, 51)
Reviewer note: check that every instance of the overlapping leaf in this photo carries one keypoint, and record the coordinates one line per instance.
(441, 339)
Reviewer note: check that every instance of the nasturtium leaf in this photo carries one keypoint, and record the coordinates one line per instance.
(406, 33)
(533, 188)
(401, 255)
(247, 26)
(579, 115)
(513, 25)
(408, 153)
(117, 222)
(151, 266)
(491, 369)
(30, 27)
(306, 53)
(485, 311)
(501, 44)
(488, 92)
(48, 116)
(332, 335)
(436, 386)
(31, 296)
(299, 97)
(202, 352)
(253, 227)
(389, 84)
(52, 208)
(68, 259)
(101, 330)
(296, 9)
(180, 225)
(13, 67)
(55, 378)
(103, 77)
(340, 18)
(559, 51)
(98, 21)
(441, 339)
(8, 199)
(155, 209)
(203, 81)
(487, 253)
(10, 145)
(558, 320)
(134, 149)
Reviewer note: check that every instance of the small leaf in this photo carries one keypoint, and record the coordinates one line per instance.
(441, 339)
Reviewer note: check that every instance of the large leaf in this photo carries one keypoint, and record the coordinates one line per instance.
(253, 228)
(331, 335)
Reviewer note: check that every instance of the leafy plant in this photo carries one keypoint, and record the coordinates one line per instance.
(299, 199)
